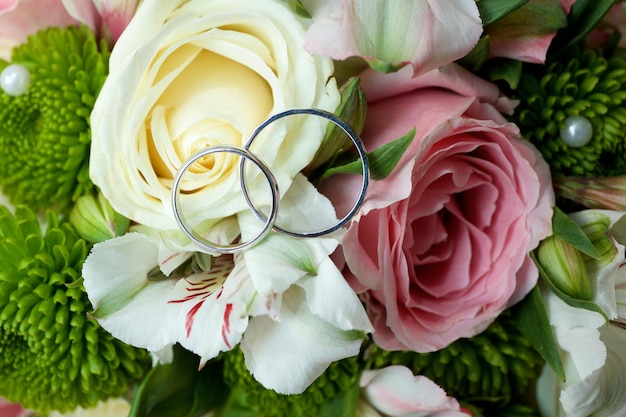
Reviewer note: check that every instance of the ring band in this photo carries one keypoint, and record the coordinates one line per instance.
(362, 155)
(268, 221)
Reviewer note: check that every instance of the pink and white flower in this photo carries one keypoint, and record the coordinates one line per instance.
(390, 34)
(395, 392)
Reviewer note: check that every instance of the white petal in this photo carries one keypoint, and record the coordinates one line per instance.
(127, 305)
(577, 333)
(329, 296)
(602, 393)
(288, 355)
(192, 311)
(302, 208)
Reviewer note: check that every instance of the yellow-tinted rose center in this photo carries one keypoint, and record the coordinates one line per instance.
(211, 100)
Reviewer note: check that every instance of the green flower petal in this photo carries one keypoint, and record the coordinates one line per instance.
(52, 354)
(588, 85)
(44, 134)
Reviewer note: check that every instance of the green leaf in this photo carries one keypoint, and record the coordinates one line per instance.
(179, 389)
(351, 110)
(477, 57)
(236, 405)
(535, 18)
(507, 70)
(492, 10)
(574, 302)
(532, 319)
(382, 160)
(564, 228)
(583, 17)
(342, 405)
(298, 8)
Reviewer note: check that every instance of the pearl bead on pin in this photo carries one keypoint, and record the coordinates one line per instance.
(577, 131)
(15, 79)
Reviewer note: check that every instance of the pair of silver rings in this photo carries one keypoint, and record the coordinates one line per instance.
(268, 220)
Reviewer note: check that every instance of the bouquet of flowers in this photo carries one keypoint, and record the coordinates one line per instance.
(312, 208)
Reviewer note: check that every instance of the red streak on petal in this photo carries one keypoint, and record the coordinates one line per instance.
(190, 316)
(169, 258)
(191, 297)
(226, 324)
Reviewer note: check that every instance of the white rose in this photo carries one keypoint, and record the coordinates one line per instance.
(185, 75)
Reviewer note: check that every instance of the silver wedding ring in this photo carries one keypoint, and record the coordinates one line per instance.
(269, 219)
(357, 144)
(198, 239)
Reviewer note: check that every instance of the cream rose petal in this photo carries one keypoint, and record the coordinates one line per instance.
(186, 75)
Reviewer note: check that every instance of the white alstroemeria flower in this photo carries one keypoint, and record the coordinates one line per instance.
(592, 350)
(594, 362)
(607, 274)
(582, 352)
(283, 298)
(395, 392)
(602, 393)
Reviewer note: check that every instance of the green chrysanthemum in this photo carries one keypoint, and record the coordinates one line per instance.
(493, 366)
(44, 133)
(590, 86)
(338, 378)
(52, 355)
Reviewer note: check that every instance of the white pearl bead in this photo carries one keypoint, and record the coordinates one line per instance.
(14, 79)
(577, 131)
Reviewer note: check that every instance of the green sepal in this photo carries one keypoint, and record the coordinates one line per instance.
(386, 67)
(507, 70)
(565, 229)
(477, 57)
(351, 110)
(574, 302)
(492, 10)
(298, 8)
(382, 160)
(536, 18)
(531, 317)
(180, 389)
(583, 17)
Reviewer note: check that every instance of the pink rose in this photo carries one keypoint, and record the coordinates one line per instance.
(441, 248)
(8, 409)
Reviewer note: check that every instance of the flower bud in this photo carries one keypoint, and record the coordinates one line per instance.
(565, 267)
(602, 193)
(95, 220)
